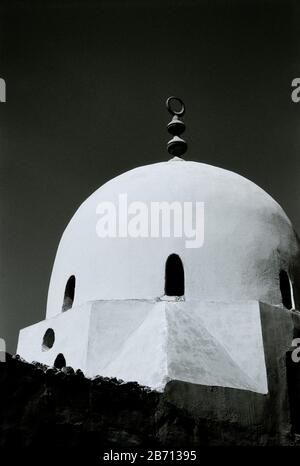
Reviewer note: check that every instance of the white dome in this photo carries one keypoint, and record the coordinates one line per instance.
(248, 240)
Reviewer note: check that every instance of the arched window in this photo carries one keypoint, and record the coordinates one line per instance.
(48, 339)
(69, 294)
(174, 276)
(60, 361)
(286, 290)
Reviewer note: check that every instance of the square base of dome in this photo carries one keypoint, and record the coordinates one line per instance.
(153, 342)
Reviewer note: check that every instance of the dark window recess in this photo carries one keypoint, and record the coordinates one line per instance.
(285, 288)
(60, 361)
(69, 294)
(48, 340)
(174, 276)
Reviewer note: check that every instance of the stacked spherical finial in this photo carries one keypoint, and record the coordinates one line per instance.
(176, 146)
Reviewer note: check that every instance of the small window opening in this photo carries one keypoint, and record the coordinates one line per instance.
(48, 339)
(286, 290)
(69, 294)
(174, 276)
(60, 361)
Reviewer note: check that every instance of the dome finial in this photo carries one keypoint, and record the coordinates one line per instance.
(176, 146)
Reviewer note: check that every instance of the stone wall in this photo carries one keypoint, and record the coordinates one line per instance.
(44, 407)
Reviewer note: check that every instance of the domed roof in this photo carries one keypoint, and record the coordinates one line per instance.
(248, 239)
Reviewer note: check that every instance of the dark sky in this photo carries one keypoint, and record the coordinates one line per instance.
(86, 86)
